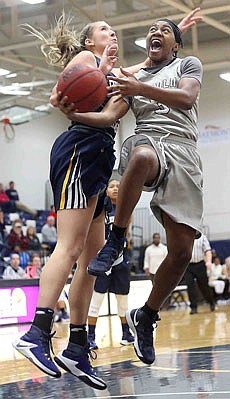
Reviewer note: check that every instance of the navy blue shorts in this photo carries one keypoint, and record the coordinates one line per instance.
(81, 164)
(117, 282)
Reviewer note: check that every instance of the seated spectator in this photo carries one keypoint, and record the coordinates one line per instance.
(14, 271)
(2, 230)
(12, 193)
(34, 269)
(49, 233)
(23, 255)
(216, 278)
(33, 240)
(226, 273)
(12, 206)
(3, 265)
(16, 237)
(53, 212)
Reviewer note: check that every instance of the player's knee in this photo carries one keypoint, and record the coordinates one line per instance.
(71, 251)
(143, 157)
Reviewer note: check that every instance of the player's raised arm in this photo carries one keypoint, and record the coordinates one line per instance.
(186, 23)
(190, 20)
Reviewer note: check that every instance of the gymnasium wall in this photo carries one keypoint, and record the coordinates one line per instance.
(26, 159)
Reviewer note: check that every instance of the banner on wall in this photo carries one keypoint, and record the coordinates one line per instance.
(18, 304)
(213, 134)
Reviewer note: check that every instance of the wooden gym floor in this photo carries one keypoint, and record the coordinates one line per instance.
(193, 361)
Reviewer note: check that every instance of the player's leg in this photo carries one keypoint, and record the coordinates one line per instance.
(142, 169)
(122, 307)
(180, 240)
(73, 227)
(94, 309)
(120, 286)
(75, 358)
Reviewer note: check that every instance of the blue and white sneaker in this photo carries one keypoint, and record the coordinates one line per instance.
(127, 338)
(142, 328)
(35, 345)
(109, 256)
(75, 360)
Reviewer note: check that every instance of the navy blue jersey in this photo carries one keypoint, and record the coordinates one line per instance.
(81, 164)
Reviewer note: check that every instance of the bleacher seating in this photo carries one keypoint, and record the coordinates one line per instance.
(27, 221)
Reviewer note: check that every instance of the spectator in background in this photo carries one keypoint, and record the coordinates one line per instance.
(226, 268)
(154, 256)
(12, 193)
(34, 269)
(23, 255)
(141, 256)
(200, 262)
(16, 237)
(14, 271)
(2, 227)
(53, 213)
(216, 277)
(33, 240)
(49, 233)
(12, 206)
(226, 273)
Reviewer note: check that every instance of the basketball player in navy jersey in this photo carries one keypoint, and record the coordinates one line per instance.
(81, 163)
(117, 282)
(161, 158)
(82, 159)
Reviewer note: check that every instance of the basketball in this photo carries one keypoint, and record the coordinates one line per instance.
(84, 86)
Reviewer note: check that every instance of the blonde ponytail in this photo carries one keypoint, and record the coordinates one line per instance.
(64, 42)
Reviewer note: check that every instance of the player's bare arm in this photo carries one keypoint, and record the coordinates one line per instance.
(182, 97)
(114, 109)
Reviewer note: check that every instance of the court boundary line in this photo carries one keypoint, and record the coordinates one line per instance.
(158, 394)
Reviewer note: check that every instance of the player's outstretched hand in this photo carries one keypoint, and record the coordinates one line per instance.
(126, 86)
(108, 59)
(190, 20)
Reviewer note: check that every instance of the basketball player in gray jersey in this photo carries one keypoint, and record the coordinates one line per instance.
(161, 157)
(164, 119)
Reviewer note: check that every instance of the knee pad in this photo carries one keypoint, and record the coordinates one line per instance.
(95, 304)
(122, 304)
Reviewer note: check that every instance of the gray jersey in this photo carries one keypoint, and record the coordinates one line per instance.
(157, 119)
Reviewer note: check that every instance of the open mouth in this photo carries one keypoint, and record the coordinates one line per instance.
(156, 44)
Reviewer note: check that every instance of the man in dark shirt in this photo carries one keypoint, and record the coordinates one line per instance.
(11, 192)
(11, 205)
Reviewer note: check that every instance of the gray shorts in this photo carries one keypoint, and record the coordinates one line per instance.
(178, 190)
